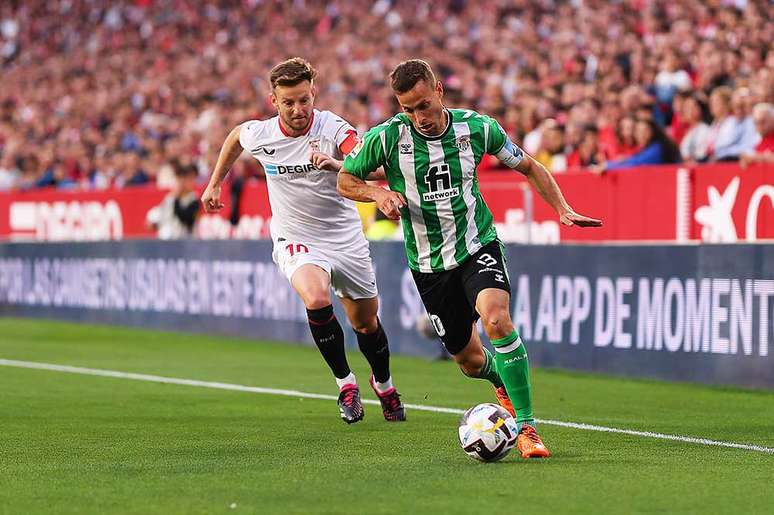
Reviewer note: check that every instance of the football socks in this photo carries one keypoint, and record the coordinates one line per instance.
(489, 370)
(513, 367)
(344, 381)
(376, 351)
(329, 337)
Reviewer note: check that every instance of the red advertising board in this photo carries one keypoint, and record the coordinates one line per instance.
(731, 204)
(714, 203)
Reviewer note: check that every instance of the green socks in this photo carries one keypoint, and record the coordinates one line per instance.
(513, 367)
(489, 370)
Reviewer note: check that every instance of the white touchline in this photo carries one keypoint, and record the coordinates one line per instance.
(306, 395)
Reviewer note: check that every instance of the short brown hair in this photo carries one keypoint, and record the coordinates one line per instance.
(406, 75)
(291, 72)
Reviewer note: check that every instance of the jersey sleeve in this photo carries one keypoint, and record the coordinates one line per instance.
(249, 135)
(342, 133)
(367, 156)
(500, 145)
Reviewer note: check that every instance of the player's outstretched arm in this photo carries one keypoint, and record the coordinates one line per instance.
(542, 180)
(229, 153)
(355, 188)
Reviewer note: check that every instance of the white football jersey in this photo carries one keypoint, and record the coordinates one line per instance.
(305, 205)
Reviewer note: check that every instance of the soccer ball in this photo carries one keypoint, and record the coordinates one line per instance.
(487, 432)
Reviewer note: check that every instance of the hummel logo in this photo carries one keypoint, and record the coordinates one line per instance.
(405, 148)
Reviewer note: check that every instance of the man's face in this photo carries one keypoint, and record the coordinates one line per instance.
(764, 122)
(422, 104)
(294, 104)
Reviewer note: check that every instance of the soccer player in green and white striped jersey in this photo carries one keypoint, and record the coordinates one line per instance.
(429, 154)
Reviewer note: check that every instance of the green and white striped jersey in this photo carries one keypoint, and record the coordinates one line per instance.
(446, 220)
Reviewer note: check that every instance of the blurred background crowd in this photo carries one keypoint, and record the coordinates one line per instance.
(99, 94)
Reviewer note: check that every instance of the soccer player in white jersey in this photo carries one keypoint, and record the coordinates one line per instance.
(318, 239)
(429, 154)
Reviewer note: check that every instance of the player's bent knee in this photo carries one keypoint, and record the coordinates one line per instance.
(496, 316)
(366, 326)
(315, 299)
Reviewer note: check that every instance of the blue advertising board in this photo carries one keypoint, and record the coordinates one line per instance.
(693, 313)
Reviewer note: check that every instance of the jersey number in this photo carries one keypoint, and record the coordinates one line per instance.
(438, 178)
(296, 248)
(486, 260)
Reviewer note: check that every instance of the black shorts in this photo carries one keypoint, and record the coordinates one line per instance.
(450, 297)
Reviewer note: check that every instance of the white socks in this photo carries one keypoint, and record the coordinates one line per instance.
(383, 387)
(350, 379)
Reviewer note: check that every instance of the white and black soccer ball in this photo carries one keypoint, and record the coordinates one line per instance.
(487, 432)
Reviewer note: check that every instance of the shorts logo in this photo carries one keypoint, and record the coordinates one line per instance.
(486, 260)
(406, 148)
(437, 325)
(438, 180)
(499, 278)
(463, 143)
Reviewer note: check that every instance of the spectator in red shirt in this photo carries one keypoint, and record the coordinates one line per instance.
(763, 117)
(588, 153)
(626, 145)
(679, 126)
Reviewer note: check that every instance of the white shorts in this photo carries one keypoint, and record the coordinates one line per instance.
(351, 271)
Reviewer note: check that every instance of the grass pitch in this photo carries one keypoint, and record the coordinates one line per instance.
(80, 444)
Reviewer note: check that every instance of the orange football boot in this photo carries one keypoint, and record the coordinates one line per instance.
(529, 443)
(505, 401)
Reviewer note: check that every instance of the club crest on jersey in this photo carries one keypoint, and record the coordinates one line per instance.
(314, 145)
(463, 143)
(406, 148)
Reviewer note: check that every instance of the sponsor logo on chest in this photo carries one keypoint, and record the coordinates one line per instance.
(439, 183)
(283, 170)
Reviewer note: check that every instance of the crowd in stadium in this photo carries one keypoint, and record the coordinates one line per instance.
(97, 94)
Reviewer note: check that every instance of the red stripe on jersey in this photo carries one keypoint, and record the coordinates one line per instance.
(349, 142)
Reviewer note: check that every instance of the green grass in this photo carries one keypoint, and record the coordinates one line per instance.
(80, 444)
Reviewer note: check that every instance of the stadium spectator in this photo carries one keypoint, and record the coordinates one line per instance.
(88, 83)
(656, 147)
(587, 153)
(763, 117)
(625, 144)
(9, 172)
(551, 153)
(678, 127)
(671, 79)
(693, 147)
(741, 106)
(727, 133)
(176, 215)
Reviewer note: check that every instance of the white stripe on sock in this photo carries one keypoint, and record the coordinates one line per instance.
(510, 347)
